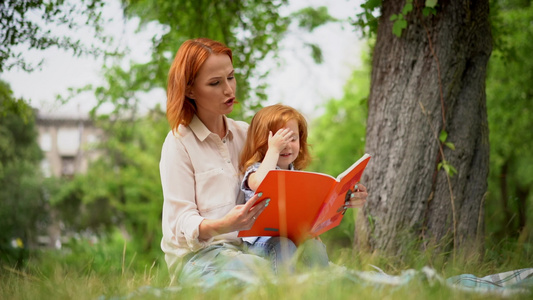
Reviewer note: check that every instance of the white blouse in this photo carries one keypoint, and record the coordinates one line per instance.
(200, 179)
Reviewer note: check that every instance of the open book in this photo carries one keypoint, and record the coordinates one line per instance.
(304, 204)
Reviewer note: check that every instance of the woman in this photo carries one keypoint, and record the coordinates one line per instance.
(203, 206)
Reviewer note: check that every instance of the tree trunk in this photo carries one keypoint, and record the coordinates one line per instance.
(410, 199)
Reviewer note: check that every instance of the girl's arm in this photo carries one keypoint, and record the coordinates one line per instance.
(276, 144)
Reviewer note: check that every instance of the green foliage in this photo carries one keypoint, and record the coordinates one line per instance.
(21, 197)
(311, 18)
(448, 168)
(124, 89)
(426, 11)
(367, 20)
(431, 3)
(500, 31)
(87, 269)
(252, 29)
(28, 24)
(121, 189)
(343, 125)
(400, 23)
(443, 136)
(11, 106)
(510, 105)
(337, 140)
(109, 254)
(316, 53)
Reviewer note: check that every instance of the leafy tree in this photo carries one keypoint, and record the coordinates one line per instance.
(251, 28)
(121, 189)
(337, 139)
(342, 124)
(427, 98)
(509, 95)
(23, 203)
(29, 25)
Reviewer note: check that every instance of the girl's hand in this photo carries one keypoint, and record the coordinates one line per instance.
(279, 141)
(276, 144)
(358, 197)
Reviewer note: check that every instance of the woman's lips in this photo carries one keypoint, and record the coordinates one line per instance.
(230, 101)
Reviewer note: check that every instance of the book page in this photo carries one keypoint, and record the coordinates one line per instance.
(366, 156)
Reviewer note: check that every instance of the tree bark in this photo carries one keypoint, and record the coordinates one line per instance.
(410, 199)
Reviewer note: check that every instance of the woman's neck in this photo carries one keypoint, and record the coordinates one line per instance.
(214, 124)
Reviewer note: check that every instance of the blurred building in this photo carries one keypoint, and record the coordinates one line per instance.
(68, 144)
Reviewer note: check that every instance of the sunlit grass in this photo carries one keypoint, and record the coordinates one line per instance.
(112, 272)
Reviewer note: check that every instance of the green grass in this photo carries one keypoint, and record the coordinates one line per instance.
(111, 271)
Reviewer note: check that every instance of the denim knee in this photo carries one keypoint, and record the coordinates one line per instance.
(314, 254)
(280, 251)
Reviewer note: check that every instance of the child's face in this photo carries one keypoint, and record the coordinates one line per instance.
(291, 151)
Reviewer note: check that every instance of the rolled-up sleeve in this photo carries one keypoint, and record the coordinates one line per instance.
(180, 213)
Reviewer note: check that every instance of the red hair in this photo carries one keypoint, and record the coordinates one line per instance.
(189, 59)
(272, 118)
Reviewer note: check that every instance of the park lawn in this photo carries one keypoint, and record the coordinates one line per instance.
(107, 274)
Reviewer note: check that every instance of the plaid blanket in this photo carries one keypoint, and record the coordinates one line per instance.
(518, 280)
(503, 284)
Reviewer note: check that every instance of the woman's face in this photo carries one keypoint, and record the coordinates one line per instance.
(214, 87)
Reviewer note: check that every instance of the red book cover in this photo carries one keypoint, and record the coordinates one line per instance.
(304, 204)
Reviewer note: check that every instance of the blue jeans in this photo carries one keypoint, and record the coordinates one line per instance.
(248, 263)
(221, 263)
(284, 255)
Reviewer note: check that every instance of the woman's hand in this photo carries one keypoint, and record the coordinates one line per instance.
(358, 197)
(241, 217)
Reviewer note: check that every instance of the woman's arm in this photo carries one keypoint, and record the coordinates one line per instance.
(241, 217)
(276, 144)
(181, 217)
(181, 214)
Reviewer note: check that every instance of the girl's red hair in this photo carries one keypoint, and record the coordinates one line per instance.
(272, 118)
(189, 59)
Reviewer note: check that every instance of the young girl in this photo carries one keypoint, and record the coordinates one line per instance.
(277, 139)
